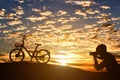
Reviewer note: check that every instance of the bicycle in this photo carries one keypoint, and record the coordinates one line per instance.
(18, 54)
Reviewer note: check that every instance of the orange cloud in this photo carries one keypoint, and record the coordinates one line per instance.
(14, 22)
(105, 7)
(79, 12)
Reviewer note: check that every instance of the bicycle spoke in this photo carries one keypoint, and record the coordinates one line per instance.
(43, 56)
(16, 55)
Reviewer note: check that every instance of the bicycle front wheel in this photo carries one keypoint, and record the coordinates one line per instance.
(43, 56)
(16, 55)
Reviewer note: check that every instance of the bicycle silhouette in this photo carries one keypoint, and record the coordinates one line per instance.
(18, 54)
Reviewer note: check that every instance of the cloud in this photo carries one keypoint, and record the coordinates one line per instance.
(20, 28)
(2, 12)
(2, 26)
(1, 17)
(63, 20)
(43, 15)
(79, 12)
(115, 18)
(89, 26)
(104, 15)
(102, 21)
(105, 7)
(45, 26)
(64, 27)
(46, 13)
(19, 10)
(14, 22)
(10, 16)
(35, 18)
(83, 3)
(103, 18)
(36, 10)
(6, 31)
(91, 11)
(50, 22)
(61, 13)
(73, 19)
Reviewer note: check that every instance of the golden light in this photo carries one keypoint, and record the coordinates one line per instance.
(65, 57)
(62, 59)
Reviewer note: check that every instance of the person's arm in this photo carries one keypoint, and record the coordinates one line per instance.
(96, 64)
(95, 59)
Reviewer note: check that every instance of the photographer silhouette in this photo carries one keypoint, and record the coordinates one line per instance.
(108, 60)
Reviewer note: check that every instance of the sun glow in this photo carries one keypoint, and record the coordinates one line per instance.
(64, 57)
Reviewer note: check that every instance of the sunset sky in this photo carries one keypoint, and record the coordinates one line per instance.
(61, 26)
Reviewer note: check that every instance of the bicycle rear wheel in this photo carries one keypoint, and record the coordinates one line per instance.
(43, 56)
(16, 55)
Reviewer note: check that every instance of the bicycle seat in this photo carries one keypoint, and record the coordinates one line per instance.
(38, 44)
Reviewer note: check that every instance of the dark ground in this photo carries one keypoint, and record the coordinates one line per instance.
(35, 71)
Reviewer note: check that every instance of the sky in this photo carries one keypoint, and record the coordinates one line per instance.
(61, 26)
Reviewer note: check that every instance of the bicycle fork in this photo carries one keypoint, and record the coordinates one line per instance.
(17, 55)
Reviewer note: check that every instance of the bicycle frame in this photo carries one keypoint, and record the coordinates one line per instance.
(28, 52)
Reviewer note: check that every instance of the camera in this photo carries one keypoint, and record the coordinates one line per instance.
(93, 53)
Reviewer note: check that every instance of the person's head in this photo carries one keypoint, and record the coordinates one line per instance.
(101, 49)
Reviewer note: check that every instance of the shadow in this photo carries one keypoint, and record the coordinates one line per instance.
(36, 71)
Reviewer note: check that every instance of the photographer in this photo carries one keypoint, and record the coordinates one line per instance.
(108, 60)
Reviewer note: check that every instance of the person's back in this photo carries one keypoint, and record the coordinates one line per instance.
(110, 63)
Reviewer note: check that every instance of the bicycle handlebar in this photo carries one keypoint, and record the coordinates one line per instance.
(38, 44)
(24, 37)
